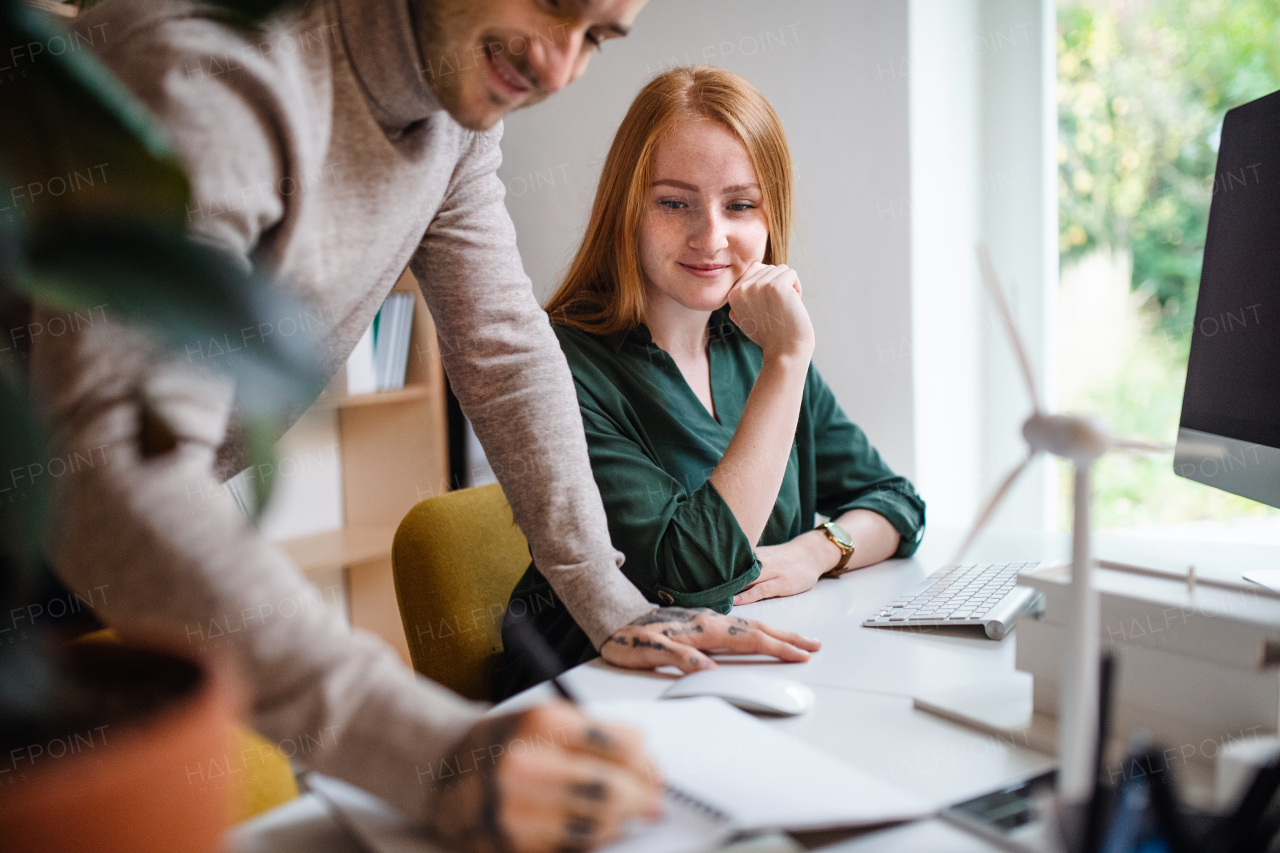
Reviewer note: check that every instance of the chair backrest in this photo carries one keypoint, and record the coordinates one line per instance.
(456, 559)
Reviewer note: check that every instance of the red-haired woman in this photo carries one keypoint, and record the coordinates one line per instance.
(713, 439)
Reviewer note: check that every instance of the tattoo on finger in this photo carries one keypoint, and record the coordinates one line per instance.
(598, 738)
(642, 643)
(594, 791)
(672, 614)
(579, 828)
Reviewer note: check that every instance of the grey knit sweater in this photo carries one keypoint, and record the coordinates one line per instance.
(316, 150)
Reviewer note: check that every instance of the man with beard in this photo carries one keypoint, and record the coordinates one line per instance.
(332, 146)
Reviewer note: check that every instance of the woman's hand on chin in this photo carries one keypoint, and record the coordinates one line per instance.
(785, 569)
(765, 303)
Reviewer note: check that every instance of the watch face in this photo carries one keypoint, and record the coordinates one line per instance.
(839, 534)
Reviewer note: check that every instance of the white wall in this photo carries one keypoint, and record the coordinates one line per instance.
(945, 95)
(1018, 44)
(835, 72)
(983, 124)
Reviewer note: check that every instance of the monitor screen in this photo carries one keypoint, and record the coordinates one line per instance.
(1229, 435)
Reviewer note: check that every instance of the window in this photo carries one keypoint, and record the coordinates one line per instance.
(1142, 89)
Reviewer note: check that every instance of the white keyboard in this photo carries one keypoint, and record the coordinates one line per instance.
(986, 595)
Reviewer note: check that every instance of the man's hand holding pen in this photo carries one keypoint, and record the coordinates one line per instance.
(545, 779)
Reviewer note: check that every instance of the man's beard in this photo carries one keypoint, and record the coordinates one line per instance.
(444, 29)
(441, 26)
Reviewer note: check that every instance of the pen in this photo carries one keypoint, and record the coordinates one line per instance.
(1094, 810)
(540, 654)
(1165, 802)
(527, 639)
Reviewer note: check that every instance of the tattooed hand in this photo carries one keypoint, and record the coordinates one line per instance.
(679, 636)
(547, 779)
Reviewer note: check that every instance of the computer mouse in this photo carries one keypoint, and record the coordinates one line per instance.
(750, 691)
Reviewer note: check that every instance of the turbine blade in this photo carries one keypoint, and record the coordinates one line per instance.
(1002, 308)
(990, 508)
(1141, 445)
(1201, 450)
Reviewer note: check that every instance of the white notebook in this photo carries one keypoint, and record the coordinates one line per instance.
(757, 776)
(729, 773)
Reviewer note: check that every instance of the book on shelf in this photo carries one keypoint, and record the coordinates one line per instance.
(380, 359)
(399, 358)
(362, 378)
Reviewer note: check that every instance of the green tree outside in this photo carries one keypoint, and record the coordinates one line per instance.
(1143, 86)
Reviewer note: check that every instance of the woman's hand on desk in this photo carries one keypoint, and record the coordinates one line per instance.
(550, 779)
(794, 567)
(789, 569)
(678, 636)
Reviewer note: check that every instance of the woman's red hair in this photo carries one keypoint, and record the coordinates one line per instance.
(603, 292)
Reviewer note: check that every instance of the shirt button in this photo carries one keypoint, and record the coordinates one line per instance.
(665, 597)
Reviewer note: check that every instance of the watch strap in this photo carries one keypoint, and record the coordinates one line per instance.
(846, 551)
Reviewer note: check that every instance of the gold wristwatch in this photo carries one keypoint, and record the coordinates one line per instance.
(844, 542)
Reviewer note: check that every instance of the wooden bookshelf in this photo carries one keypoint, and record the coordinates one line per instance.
(394, 449)
(337, 549)
(381, 398)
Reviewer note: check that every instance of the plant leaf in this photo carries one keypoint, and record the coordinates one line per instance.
(24, 459)
(197, 300)
(78, 146)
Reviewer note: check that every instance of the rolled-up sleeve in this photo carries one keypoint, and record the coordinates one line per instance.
(684, 547)
(851, 475)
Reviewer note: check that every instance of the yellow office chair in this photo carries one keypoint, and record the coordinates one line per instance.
(456, 559)
(267, 778)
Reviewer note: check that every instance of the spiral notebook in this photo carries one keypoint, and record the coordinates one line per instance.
(752, 775)
(688, 825)
(728, 774)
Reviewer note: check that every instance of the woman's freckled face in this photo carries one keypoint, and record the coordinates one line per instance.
(704, 221)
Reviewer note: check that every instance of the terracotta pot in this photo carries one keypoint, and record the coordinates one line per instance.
(129, 786)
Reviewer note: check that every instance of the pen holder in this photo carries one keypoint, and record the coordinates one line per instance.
(1144, 814)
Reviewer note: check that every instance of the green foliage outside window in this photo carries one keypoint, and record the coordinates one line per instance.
(1143, 86)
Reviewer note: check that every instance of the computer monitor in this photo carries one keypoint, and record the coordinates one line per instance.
(1229, 435)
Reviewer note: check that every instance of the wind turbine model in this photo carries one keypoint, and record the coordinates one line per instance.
(1081, 440)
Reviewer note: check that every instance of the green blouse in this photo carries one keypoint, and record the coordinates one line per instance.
(653, 445)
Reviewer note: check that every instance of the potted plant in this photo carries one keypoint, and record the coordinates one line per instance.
(95, 740)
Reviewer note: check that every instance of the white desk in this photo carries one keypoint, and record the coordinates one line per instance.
(864, 679)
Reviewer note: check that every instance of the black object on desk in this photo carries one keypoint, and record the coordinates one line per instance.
(1096, 811)
(1253, 824)
(541, 654)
